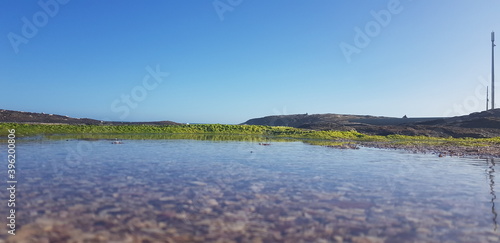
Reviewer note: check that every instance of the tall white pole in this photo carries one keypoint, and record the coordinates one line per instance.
(492, 70)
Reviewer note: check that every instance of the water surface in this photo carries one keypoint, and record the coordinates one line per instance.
(181, 190)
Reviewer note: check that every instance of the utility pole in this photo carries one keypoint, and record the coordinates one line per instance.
(492, 70)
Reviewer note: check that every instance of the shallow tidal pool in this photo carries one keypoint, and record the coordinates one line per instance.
(181, 190)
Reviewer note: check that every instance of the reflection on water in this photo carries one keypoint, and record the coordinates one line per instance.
(491, 177)
(168, 190)
(164, 136)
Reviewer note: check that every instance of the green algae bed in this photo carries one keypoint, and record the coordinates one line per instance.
(488, 146)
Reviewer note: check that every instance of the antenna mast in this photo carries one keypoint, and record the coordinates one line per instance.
(492, 70)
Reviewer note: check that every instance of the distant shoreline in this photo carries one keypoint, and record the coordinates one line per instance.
(484, 124)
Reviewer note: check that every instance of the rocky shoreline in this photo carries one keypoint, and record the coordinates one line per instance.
(491, 151)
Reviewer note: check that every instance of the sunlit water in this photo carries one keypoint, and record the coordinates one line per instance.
(203, 191)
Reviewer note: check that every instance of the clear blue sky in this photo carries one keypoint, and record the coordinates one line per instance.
(245, 59)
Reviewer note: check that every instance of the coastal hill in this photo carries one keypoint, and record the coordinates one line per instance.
(42, 118)
(478, 125)
(330, 121)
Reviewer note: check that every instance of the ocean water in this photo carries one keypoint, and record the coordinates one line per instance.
(181, 190)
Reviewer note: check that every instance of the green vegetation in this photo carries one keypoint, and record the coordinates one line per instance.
(219, 132)
(433, 141)
(24, 130)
